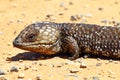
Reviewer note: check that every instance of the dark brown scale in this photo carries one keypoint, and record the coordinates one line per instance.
(99, 40)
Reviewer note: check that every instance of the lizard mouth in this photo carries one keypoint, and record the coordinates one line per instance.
(43, 48)
(28, 45)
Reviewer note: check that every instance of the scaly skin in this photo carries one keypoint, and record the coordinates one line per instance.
(75, 38)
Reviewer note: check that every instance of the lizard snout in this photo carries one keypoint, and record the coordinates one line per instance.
(16, 42)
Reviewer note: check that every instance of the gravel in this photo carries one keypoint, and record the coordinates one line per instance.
(83, 20)
(62, 4)
(34, 63)
(49, 15)
(38, 77)
(14, 69)
(3, 78)
(70, 3)
(88, 15)
(96, 78)
(74, 71)
(98, 59)
(21, 75)
(76, 17)
(86, 56)
(73, 75)
(98, 64)
(35, 69)
(2, 72)
(1, 32)
(105, 21)
(73, 18)
(83, 65)
(110, 60)
(61, 13)
(26, 67)
(100, 8)
(40, 64)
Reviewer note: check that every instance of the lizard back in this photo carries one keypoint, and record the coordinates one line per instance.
(95, 39)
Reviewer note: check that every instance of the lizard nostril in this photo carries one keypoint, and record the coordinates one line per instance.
(16, 42)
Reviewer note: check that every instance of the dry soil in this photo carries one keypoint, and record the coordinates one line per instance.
(16, 14)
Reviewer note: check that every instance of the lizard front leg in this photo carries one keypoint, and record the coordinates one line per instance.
(69, 44)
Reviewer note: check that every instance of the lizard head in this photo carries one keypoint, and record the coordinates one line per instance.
(40, 37)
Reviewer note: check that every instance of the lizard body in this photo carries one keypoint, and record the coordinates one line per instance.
(75, 38)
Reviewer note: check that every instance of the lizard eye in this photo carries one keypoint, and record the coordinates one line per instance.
(31, 37)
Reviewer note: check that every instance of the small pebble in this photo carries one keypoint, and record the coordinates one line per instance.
(40, 64)
(74, 75)
(2, 72)
(78, 60)
(86, 56)
(62, 4)
(19, 21)
(52, 65)
(14, 69)
(70, 3)
(9, 53)
(14, 5)
(111, 72)
(100, 9)
(26, 67)
(95, 78)
(3, 78)
(85, 78)
(116, 2)
(1, 32)
(21, 75)
(105, 21)
(33, 21)
(110, 60)
(98, 64)
(38, 77)
(15, 32)
(88, 15)
(60, 13)
(98, 59)
(20, 60)
(74, 71)
(59, 66)
(49, 15)
(53, 19)
(74, 18)
(116, 23)
(83, 20)
(65, 8)
(11, 21)
(69, 62)
(34, 63)
(34, 69)
(83, 65)
(116, 62)
(81, 16)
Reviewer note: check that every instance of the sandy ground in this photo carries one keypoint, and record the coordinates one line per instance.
(16, 14)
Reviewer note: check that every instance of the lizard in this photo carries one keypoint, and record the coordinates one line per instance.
(75, 38)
